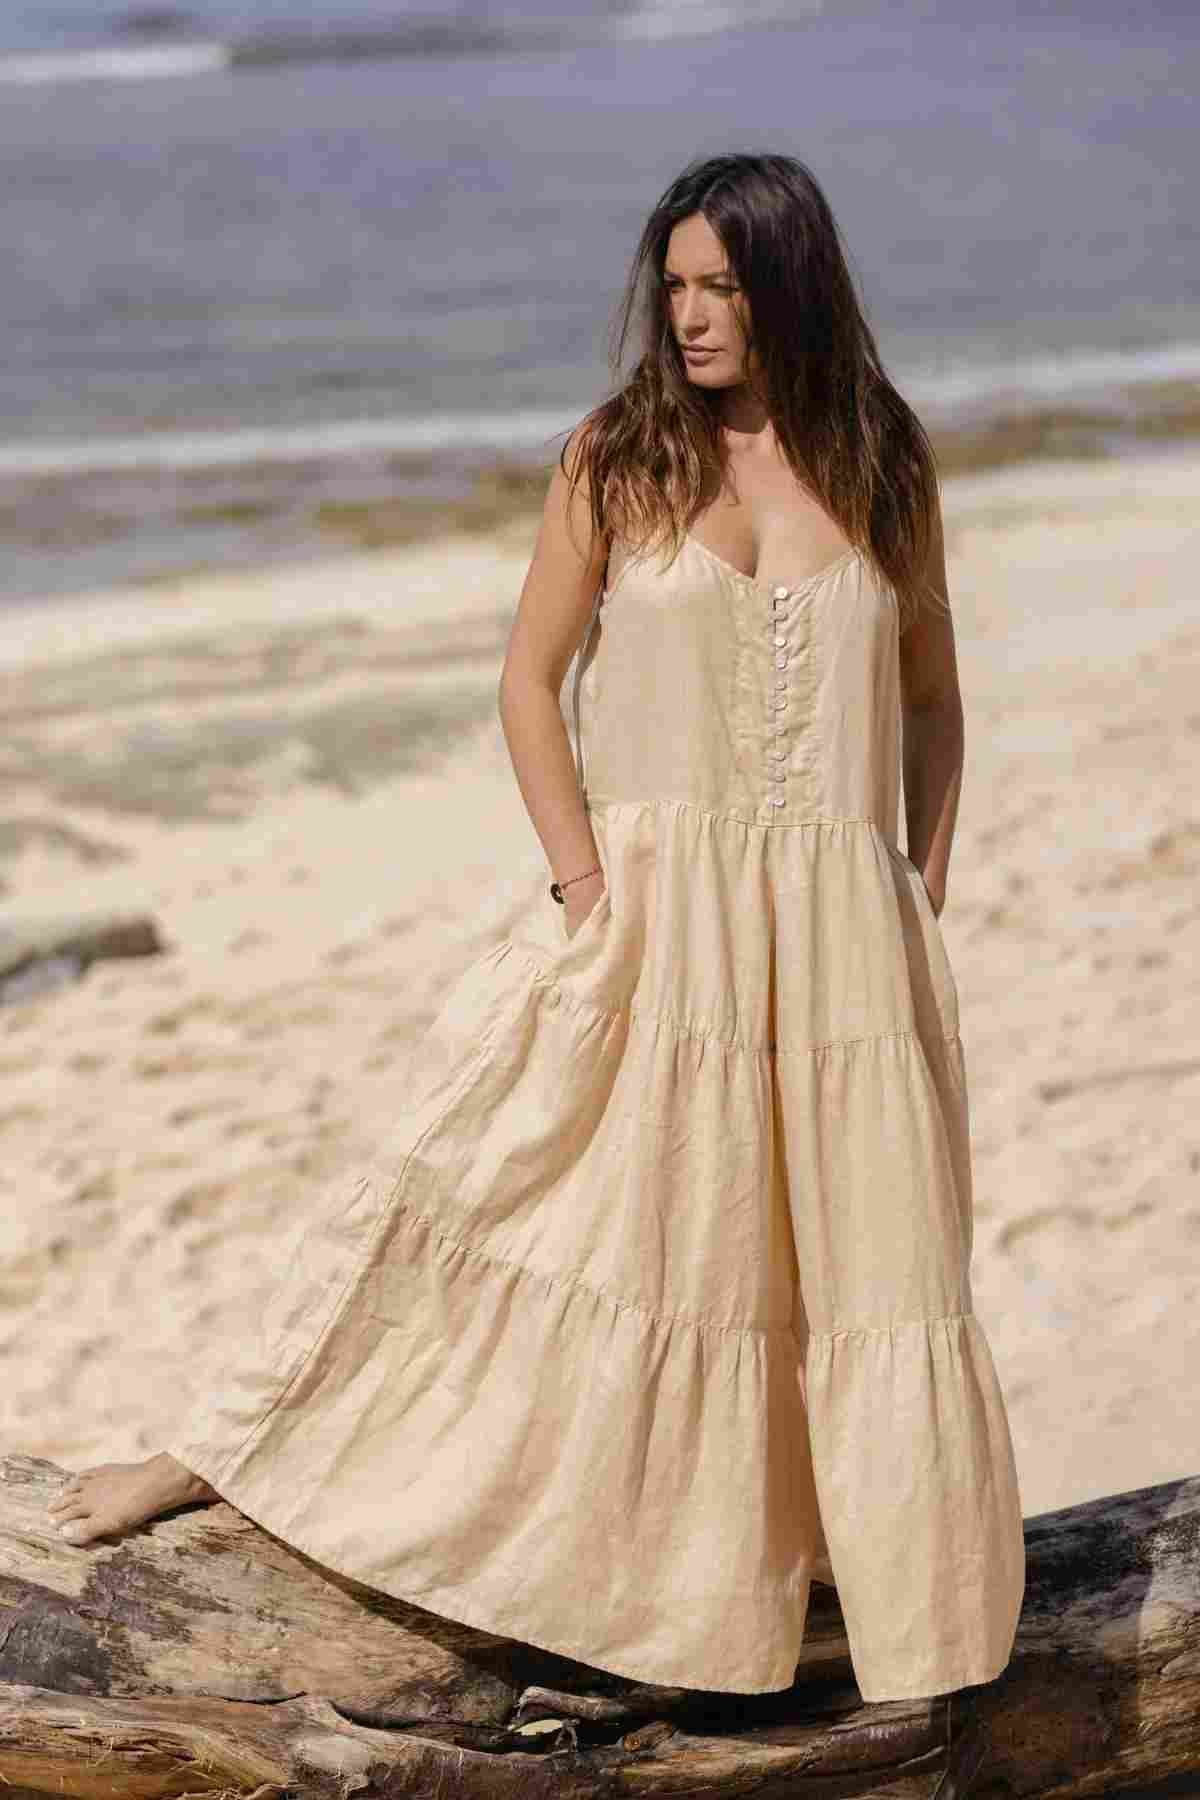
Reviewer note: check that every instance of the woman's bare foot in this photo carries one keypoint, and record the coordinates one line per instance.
(113, 1496)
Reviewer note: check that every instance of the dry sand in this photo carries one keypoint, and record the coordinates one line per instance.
(301, 775)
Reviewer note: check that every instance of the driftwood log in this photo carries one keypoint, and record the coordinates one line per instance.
(37, 955)
(199, 1656)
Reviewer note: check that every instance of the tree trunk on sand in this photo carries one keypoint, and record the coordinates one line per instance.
(200, 1656)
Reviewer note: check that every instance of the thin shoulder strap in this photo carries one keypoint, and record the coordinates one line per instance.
(580, 654)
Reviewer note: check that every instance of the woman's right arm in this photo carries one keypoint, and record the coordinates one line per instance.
(552, 615)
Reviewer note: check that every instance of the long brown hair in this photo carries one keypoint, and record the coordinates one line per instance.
(652, 453)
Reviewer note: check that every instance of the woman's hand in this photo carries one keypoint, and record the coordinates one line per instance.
(580, 898)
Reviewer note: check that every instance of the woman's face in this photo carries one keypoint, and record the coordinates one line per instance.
(707, 309)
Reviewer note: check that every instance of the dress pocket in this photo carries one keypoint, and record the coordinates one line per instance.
(940, 968)
(595, 919)
(919, 884)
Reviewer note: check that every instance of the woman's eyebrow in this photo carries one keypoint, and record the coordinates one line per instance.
(705, 275)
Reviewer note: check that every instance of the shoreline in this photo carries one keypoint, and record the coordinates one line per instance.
(70, 534)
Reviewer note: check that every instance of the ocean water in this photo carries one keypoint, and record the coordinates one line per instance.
(248, 233)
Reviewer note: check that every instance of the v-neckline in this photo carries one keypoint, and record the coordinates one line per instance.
(768, 587)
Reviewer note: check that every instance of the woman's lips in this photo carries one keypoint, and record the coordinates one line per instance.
(699, 355)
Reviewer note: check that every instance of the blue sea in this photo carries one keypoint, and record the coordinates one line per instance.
(261, 234)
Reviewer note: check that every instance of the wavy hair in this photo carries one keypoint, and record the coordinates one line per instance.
(651, 454)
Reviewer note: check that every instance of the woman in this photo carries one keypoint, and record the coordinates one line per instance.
(668, 1257)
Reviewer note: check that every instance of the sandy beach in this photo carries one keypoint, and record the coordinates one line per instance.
(300, 774)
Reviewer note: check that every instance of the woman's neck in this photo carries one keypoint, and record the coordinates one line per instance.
(741, 412)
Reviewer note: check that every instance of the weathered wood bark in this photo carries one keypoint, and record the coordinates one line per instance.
(44, 953)
(199, 1656)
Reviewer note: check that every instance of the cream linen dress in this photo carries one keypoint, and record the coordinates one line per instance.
(656, 1307)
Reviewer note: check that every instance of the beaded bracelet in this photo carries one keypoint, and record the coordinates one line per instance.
(556, 887)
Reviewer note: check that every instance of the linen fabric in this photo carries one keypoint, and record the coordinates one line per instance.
(655, 1307)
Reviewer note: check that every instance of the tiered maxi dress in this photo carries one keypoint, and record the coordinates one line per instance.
(655, 1306)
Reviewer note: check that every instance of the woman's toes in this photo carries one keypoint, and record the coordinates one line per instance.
(67, 1497)
(78, 1531)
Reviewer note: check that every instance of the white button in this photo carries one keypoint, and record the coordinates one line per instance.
(781, 593)
(778, 753)
(777, 800)
(781, 681)
(780, 639)
(781, 660)
(780, 702)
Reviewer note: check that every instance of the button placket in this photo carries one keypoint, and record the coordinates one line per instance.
(777, 699)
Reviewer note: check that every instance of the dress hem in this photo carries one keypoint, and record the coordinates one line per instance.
(452, 1610)
(457, 1613)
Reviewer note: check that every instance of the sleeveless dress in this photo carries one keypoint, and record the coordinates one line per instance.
(655, 1307)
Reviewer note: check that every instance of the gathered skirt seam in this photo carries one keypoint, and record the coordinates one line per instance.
(773, 1051)
(842, 1331)
(590, 1289)
(663, 801)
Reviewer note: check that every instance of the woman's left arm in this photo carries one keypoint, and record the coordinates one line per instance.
(933, 728)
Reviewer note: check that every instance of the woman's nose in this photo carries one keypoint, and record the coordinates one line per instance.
(691, 315)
